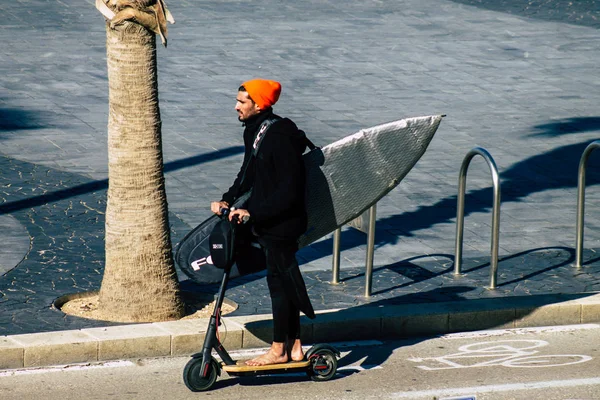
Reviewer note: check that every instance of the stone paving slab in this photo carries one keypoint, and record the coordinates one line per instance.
(15, 241)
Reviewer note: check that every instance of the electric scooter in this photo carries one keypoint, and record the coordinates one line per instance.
(201, 372)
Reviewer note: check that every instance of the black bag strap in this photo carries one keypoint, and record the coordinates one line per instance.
(262, 131)
(264, 127)
(258, 138)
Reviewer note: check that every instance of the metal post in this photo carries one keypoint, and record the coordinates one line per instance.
(336, 256)
(460, 213)
(370, 250)
(460, 216)
(581, 201)
(359, 224)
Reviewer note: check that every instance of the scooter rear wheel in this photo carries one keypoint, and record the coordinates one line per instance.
(323, 365)
(192, 375)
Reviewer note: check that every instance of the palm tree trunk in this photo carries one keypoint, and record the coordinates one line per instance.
(140, 283)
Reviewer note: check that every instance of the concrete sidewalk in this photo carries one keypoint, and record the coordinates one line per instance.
(185, 337)
(520, 81)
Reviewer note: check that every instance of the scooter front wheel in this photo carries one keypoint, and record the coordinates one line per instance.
(193, 377)
(323, 365)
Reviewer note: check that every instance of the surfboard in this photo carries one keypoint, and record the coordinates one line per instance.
(343, 179)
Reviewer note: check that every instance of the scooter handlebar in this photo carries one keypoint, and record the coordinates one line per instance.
(225, 212)
(236, 218)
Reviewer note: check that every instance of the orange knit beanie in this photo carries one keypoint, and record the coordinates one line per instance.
(264, 92)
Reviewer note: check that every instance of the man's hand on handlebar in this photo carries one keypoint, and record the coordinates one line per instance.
(241, 215)
(216, 206)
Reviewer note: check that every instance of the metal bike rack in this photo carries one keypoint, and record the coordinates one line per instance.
(460, 213)
(581, 200)
(372, 215)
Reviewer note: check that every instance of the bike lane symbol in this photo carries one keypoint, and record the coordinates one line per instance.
(506, 353)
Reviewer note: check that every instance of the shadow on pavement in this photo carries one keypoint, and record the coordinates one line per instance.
(523, 277)
(12, 119)
(567, 126)
(416, 273)
(580, 12)
(94, 186)
(412, 271)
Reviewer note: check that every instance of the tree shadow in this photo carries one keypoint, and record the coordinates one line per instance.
(13, 119)
(586, 13)
(567, 126)
(98, 185)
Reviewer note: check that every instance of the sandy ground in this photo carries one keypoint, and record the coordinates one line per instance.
(87, 307)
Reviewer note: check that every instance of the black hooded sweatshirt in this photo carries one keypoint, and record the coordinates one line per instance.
(277, 179)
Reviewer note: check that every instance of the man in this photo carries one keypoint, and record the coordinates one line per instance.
(275, 212)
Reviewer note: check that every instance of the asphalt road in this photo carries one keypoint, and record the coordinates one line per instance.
(550, 363)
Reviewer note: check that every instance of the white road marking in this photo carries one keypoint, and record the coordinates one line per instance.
(359, 368)
(496, 388)
(520, 331)
(358, 343)
(63, 368)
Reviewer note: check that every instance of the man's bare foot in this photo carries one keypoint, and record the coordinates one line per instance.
(275, 355)
(295, 351)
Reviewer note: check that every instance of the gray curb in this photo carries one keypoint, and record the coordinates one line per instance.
(185, 337)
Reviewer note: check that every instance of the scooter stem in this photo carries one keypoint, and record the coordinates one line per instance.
(211, 340)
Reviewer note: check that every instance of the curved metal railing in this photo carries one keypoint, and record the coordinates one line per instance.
(460, 212)
(581, 200)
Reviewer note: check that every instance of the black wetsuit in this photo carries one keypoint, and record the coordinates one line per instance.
(275, 173)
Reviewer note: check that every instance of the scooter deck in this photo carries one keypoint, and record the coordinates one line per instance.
(241, 367)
